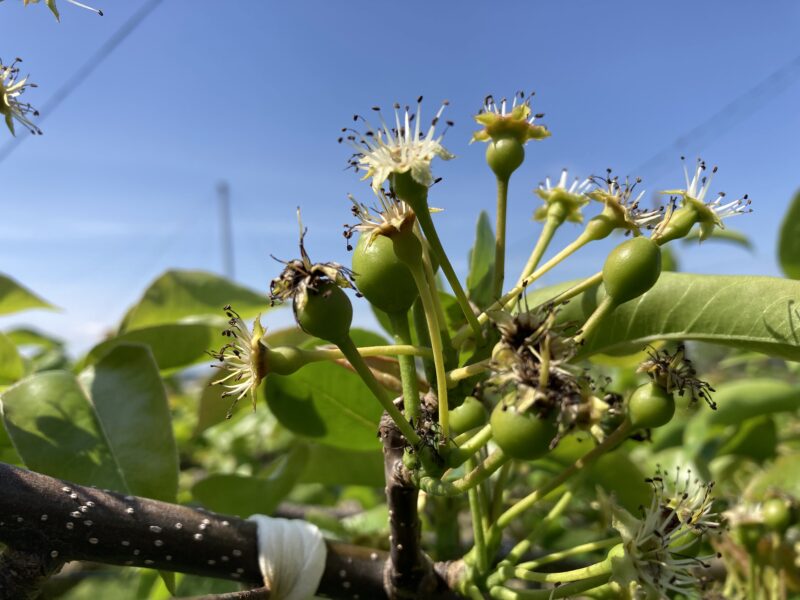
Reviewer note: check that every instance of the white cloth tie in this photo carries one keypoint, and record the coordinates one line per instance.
(291, 555)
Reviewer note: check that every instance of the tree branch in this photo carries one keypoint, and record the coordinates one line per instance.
(57, 521)
(409, 572)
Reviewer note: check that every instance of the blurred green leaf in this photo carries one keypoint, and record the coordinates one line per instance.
(335, 466)
(15, 297)
(326, 402)
(178, 296)
(481, 263)
(738, 426)
(783, 475)
(243, 496)
(174, 346)
(55, 431)
(24, 336)
(789, 240)
(614, 472)
(12, 368)
(749, 312)
(110, 428)
(129, 398)
(724, 235)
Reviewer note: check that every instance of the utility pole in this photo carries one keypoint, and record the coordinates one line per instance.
(226, 238)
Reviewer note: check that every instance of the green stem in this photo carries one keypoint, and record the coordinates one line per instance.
(421, 328)
(507, 301)
(496, 505)
(518, 551)
(430, 277)
(471, 446)
(428, 228)
(408, 368)
(605, 307)
(601, 568)
(564, 591)
(500, 237)
(582, 549)
(350, 352)
(545, 236)
(476, 512)
(417, 272)
(531, 499)
(456, 375)
(480, 473)
(578, 288)
(320, 354)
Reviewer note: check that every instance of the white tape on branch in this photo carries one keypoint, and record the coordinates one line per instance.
(291, 555)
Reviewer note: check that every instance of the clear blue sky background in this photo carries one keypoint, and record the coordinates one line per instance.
(122, 184)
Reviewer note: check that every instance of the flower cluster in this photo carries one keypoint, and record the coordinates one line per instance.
(11, 88)
(51, 4)
(390, 217)
(566, 200)
(694, 208)
(655, 560)
(300, 275)
(241, 359)
(674, 372)
(517, 123)
(404, 148)
(621, 203)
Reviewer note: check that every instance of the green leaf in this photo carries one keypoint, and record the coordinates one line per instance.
(15, 297)
(789, 240)
(748, 312)
(174, 346)
(782, 476)
(24, 336)
(723, 235)
(110, 428)
(12, 368)
(327, 403)
(178, 296)
(130, 400)
(55, 431)
(740, 406)
(335, 466)
(244, 496)
(481, 263)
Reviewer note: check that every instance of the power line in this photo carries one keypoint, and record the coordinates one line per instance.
(740, 108)
(86, 69)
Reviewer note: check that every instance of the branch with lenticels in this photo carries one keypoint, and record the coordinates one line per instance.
(45, 522)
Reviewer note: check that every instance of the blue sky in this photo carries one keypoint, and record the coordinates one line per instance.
(122, 184)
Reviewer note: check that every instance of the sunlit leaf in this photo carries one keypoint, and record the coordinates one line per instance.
(749, 312)
(178, 296)
(14, 297)
(789, 240)
(481, 263)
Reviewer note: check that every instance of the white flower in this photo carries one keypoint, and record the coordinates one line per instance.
(707, 214)
(390, 217)
(242, 359)
(570, 198)
(10, 90)
(654, 561)
(403, 148)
